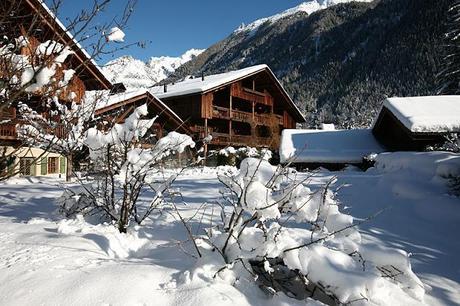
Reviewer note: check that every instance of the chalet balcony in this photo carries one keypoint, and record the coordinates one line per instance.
(8, 131)
(264, 119)
(240, 140)
(220, 112)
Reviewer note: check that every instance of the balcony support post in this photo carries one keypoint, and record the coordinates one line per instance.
(231, 117)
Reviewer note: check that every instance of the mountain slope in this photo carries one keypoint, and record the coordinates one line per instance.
(339, 63)
(134, 73)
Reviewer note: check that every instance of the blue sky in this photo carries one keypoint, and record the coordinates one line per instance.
(175, 26)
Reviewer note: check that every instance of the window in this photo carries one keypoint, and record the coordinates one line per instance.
(26, 166)
(53, 165)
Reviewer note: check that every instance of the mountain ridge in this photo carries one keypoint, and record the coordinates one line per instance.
(134, 73)
(339, 63)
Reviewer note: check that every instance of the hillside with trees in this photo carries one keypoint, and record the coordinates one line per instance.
(339, 63)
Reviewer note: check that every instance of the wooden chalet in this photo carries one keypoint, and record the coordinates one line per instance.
(413, 123)
(115, 108)
(247, 107)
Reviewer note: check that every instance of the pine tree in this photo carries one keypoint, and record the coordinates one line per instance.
(449, 77)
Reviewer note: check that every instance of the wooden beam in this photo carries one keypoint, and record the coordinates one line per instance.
(124, 115)
(119, 104)
(65, 38)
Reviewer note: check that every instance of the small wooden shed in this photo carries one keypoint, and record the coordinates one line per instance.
(413, 123)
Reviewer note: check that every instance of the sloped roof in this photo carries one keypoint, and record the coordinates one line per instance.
(211, 82)
(430, 114)
(107, 102)
(67, 38)
(327, 146)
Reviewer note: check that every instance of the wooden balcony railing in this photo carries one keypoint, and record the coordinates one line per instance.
(265, 119)
(220, 112)
(220, 138)
(8, 131)
(241, 116)
(59, 132)
(240, 140)
(243, 139)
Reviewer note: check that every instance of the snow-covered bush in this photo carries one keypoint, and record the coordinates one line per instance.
(451, 144)
(230, 156)
(123, 168)
(287, 237)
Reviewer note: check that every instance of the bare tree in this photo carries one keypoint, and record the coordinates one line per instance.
(123, 169)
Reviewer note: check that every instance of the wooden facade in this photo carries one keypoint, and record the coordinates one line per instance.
(37, 24)
(394, 136)
(33, 18)
(249, 111)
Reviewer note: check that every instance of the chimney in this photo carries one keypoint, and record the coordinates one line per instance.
(202, 76)
(165, 88)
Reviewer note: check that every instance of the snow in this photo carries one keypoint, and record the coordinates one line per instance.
(308, 7)
(435, 114)
(103, 99)
(327, 146)
(64, 28)
(116, 34)
(132, 129)
(87, 264)
(428, 164)
(324, 256)
(327, 126)
(37, 76)
(197, 85)
(134, 73)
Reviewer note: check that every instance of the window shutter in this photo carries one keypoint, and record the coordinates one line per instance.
(11, 164)
(62, 164)
(33, 168)
(44, 166)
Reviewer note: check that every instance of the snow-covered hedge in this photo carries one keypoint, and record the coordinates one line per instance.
(230, 156)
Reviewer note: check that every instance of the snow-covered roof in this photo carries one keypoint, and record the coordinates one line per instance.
(322, 146)
(435, 114)
(105, 99)
(197, 85)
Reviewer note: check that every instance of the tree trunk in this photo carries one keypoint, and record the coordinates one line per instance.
(68, 172)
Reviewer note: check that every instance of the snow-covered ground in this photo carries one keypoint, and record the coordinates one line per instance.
(47, 260)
